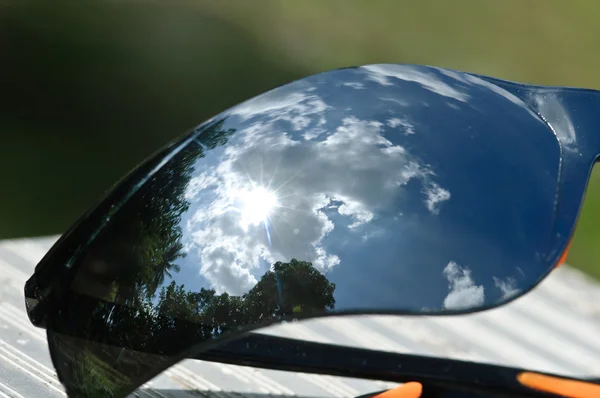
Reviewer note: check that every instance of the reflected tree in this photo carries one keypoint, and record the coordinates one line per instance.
(287, 289)
(290, 287)
(214, 134)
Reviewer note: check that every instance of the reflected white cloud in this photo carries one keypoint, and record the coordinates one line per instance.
(508, 287)
(200, 182)
(354, 209)
(313, 133)
(401, 102)
(435, 196)
(464, 293)
(355, 85)
(383, 72)
(406, 126)
(297, 107)
(474, 80)
(375, 233)
(352, 171)
(554, 113)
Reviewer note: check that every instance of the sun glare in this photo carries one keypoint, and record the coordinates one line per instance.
(257, 204)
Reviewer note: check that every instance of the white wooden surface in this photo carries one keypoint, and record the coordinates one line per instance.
(554, 328)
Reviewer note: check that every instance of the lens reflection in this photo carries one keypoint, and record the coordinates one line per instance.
(381, 188)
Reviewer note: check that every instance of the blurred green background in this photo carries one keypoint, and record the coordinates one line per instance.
(89, 89)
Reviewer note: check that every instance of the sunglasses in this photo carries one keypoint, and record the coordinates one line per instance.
(381, 189)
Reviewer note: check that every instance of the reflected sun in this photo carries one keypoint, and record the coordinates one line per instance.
(255, 205)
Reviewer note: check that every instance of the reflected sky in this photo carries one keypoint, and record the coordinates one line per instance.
(403, 185)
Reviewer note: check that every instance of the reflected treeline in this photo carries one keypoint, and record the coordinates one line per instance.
(127, 296)
(123, 344)
(181, 317)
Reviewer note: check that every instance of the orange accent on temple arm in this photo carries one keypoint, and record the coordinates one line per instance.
(563, 258)
(406, 390)
(556, 385)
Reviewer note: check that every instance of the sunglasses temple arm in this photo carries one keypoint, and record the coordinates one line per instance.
(279, 353)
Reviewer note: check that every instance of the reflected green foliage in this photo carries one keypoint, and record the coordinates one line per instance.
(152, 333)
(294, 288)
(144, 249)
(287, 289)
(209, 314)
(93, 377)
(290, 287)
(215, 135)
(89, 376)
